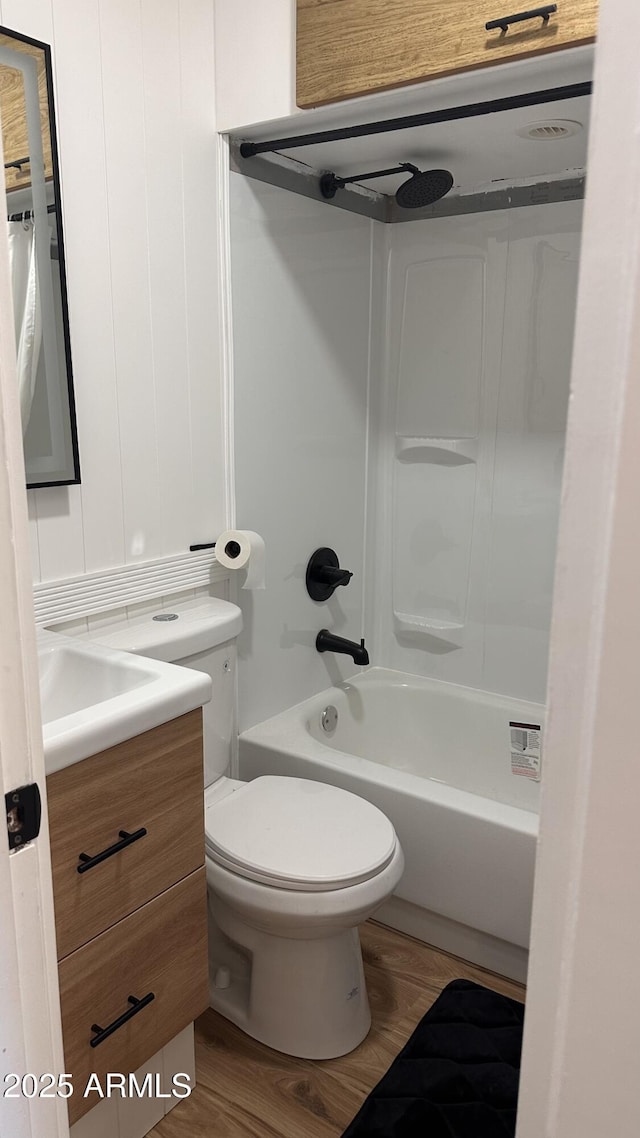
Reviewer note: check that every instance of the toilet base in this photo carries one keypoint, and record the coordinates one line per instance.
(303, 996)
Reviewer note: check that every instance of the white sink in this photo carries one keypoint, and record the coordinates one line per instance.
(72, 680)
(94, 697)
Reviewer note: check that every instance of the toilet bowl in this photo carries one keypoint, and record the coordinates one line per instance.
(293, 866)
(285, 900)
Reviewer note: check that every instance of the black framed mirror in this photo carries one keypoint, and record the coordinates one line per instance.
(36, 255)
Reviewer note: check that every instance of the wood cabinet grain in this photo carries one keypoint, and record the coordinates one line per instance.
(159, 949)
(13, 115)
(153, 781)
(346, 48)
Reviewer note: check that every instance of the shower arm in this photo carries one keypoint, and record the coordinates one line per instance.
(330, 182)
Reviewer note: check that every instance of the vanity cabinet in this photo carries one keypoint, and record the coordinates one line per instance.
(127, 848)
(355, 47)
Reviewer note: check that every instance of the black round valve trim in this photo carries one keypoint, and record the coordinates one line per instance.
(324, 574)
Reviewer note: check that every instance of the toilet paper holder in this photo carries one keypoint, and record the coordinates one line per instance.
(324, 574)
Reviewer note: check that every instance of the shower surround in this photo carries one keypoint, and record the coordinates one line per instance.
(470, 423)
(412, 405)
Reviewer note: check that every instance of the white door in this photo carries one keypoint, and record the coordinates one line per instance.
(30, 1033)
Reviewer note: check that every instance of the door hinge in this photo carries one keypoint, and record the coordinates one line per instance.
(24, 811)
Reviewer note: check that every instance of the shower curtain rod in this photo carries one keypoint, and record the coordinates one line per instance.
(28, 214)
(427, 118)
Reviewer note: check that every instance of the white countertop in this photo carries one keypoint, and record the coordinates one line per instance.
(94, 696)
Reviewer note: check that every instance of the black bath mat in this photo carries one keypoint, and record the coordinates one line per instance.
(457, 1077)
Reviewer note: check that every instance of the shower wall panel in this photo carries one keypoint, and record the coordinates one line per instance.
(302, 280)
(480, 315)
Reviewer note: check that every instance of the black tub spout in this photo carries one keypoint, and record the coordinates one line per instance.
(328, 642)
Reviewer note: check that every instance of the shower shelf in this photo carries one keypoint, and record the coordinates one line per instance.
(442, 452)
(430, 626)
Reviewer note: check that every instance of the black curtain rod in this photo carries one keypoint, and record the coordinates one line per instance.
(28, 214)
(450, 114)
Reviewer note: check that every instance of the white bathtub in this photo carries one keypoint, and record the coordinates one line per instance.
(436, 758)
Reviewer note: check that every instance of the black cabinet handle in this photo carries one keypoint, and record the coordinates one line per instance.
(535, 13)
(88, 862)
(105, 1032)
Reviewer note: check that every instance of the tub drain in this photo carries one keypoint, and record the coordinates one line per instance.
(329, 718)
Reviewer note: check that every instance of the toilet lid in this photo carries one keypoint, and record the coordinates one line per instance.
(296, 834)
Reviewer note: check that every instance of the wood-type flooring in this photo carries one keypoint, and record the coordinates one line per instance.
(246, 1090)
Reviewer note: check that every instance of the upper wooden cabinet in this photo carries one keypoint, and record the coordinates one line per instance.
(13, 115)
(354, 47)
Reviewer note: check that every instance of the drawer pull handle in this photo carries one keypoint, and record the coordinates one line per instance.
(504, 21)
(105, 1032)
(88, 862)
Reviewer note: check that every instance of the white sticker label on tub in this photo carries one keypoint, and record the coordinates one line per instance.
(526, 749)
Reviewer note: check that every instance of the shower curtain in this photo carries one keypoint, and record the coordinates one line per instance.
(26, 308)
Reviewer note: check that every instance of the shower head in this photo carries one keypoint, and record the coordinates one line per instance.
(424, 188)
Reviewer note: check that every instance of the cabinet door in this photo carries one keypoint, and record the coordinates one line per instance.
(151, 786)
(14, 118)
(354, 47)
(158, 957)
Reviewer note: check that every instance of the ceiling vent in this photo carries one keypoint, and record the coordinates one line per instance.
(550, 130)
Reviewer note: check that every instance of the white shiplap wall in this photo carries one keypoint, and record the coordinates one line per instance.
(134, 86)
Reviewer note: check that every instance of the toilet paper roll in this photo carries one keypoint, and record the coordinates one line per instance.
(243, 549)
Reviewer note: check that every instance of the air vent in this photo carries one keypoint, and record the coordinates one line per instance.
(550, 130)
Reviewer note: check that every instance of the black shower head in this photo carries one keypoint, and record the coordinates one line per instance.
(423, 188)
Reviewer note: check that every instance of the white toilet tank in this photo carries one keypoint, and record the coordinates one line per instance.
(198, 634)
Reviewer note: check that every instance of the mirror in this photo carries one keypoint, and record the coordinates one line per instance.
(36, 255)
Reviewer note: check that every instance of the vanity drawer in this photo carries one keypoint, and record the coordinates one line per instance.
(160, 949)
(153, 782)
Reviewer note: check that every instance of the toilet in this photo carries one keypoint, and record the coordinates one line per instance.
(293, 866)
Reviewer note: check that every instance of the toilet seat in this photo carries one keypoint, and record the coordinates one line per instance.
(292, 833)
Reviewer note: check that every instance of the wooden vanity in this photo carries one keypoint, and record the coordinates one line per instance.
(127, 848)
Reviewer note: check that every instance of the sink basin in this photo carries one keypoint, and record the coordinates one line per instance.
(93, 696)
(71, 680)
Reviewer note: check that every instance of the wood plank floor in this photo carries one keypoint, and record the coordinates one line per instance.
(246, 1090)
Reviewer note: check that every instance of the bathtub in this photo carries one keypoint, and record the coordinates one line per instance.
(436, 758)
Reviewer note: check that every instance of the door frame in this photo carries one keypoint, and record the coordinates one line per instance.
(579, 1070)
(30, 1027)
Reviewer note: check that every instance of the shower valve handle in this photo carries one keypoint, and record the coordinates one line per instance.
(330, 575)
(324, 574)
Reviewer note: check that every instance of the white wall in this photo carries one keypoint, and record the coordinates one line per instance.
(255, 61)
(302, 286)
(480, 327)
(135, 114)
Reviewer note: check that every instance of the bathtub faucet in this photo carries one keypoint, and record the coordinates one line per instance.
(327, 642)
